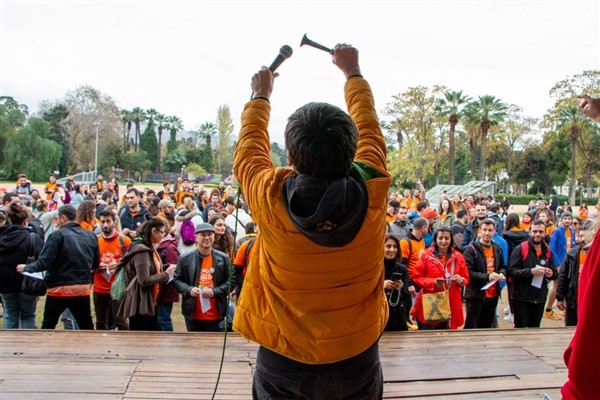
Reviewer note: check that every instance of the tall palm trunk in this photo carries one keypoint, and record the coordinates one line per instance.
(485, 126)
(160, 129)
(451, 148)
(473, 152)
(574, 137)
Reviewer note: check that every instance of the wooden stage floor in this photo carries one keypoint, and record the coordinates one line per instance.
(78, 365)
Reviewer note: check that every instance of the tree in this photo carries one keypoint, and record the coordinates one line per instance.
(488, 111)
(127, 120)
(173, 124)
(149, 145)
(207, 131)
(13, 116)
(58, 131)
(224, 149)
(414, 120)
(88, 106)
(138, 115)
(451, 106)
(161, 121)
(572, 122)
(31, 152)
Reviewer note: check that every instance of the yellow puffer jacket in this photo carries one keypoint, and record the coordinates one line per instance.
(311, 303)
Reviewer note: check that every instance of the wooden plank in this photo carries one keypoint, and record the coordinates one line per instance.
(476, 364)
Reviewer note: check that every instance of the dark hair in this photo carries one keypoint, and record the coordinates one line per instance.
(495, 207)
(251, 227)
(7, 198)
(511, 221)
(488, 221)
(395, 239)
(422, 205)
(107, 213)
(462, 213)
(537, 222)
(420, 223)
(86, 211)
(321, 140)
(450, 209)
(68, 211)
(107, 194)
(134, 191)
(150, 191)
(226, 242)
(17, 213)
(41, 205)
(437, 233)
(145, 230)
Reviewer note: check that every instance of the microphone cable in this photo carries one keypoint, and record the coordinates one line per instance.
(231, 272)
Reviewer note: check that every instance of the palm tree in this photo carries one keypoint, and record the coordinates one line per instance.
(488, 111)
(451, 106)
(126, 119)
(174, 125)
(138, 115)
(572, 121)
(151, 115)
(161, 121)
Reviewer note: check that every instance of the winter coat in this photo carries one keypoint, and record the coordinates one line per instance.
(139, 299)
(477, 266)
(187, 276)
(69, 256)
(519, 271)
(14, 249)
(429, 269)
(168, 253)
(314, 292)
(568, 278)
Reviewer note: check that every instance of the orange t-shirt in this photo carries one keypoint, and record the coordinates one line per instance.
(179, 196)
(488, 252)
(240, 260)
(206, 280)
(110, 252)
(582, 257)
(568, 236)
(49, 189)
(411, 253)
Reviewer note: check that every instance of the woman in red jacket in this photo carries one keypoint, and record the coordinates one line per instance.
(434, 273)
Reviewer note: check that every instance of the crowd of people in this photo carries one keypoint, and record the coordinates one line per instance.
(323, 256)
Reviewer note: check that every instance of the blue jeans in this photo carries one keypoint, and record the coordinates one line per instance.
(163, 313)
(19, 310)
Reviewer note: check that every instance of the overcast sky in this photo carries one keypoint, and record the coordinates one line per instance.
(189, 58)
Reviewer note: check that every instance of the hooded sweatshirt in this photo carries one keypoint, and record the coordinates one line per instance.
(14, 249)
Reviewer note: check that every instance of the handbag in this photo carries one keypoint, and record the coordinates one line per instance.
(32, 286)
(436, 306)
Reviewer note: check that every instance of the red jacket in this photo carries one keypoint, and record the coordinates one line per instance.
(167, 250)
(428, 269)
(582, 354)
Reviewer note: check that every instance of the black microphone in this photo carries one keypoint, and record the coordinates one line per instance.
(284, 52)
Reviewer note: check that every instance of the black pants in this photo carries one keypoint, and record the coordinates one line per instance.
(79, 306)
(143, 323)
(105, 306)
(571, 316)
(481, 313)
(278, 377)
(528, 314)
(194, 325)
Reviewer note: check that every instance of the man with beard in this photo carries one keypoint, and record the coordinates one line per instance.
(165, 213)
(531, 264)
(401, 227)
(112, 245)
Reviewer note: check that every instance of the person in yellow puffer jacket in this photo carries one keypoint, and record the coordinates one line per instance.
(313, 294)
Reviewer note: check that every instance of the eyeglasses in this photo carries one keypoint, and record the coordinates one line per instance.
(575, 223)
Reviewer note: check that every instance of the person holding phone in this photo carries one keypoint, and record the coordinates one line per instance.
(395, 284)
(440, 268)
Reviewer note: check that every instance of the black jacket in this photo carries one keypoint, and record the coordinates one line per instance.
(470, 233)
(514, 238)
(69, 256)
(187, 276)
(477, 266)
(14, 249)
(129, 221)
(568, 278)
(519, 271)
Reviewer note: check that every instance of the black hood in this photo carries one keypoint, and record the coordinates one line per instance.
(329, 213)
(11, 237)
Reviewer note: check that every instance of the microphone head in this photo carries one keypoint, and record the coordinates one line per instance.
(286, 51)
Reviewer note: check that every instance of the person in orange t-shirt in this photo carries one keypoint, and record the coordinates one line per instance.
(50, 187)
(112, 245)
(205, 278)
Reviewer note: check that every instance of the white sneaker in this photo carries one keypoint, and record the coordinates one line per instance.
(506, 310)
(509, 318)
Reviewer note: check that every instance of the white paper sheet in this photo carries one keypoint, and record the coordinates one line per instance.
(537, 281)
(35, 275)
(204, 301)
